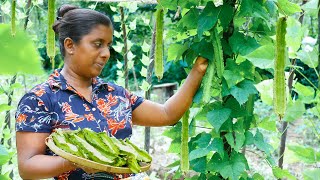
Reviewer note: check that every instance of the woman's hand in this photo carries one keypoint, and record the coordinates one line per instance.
(201, 65)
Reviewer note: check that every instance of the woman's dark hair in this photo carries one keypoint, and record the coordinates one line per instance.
(74, 22)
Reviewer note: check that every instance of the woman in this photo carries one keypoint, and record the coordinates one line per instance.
(76, 97)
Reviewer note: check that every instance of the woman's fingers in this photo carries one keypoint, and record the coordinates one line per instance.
(201, 64)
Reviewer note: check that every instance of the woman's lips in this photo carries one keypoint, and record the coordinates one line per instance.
(101, 65)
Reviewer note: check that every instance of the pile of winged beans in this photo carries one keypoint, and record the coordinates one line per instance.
(101, 148)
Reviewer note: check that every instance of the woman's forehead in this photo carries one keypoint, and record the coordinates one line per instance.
(101, 32)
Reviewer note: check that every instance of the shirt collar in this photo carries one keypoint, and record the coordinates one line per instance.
(56, 80)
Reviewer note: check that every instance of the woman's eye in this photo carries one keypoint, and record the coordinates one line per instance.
(97, 44)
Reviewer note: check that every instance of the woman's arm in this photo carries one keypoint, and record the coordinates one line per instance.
(32, 162)
(153, 114)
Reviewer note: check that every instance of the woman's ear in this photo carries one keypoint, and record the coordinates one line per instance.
(69, 46)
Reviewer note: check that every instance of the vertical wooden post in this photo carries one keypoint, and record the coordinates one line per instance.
(149, 80)
(125, 48)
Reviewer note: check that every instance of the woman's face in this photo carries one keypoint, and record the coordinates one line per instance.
(92, 52)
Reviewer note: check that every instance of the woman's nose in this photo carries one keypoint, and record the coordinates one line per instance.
(105, 53)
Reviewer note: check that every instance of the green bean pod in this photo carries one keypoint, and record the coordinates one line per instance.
(158, 58)
(208, 80)
(184, 142)
(13, 17)
(279, 84)
(218, 53)
(51, 51)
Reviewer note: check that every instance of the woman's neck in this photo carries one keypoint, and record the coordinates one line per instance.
(75, 79)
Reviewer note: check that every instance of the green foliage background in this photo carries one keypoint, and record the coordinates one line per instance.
(221, 131)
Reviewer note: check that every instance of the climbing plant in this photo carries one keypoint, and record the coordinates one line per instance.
(239, 39)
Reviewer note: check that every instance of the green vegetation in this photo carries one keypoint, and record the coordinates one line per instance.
(232, 125)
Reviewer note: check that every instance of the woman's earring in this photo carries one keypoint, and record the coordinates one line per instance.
(71, 52)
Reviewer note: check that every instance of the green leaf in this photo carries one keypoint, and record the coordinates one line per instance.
(268, 124)
(311, 8)
(208, 18)
(232, 77)
(262, 57)
(145, 47)
(226, 15)
(188, 19)
(144, 72)
(230, 139)
(288, 8)
(305, 154)
(175, 146)
(265, 89)
(249, 8)
(190, 55)
(311, 174)
(18, 53)
(242, 44)
(306, 93)
(237, 110)
(228, 168)
(295, 110)
(257, 176)
(5, 107)
(15, 86)
(203, 48)
(132, 6)
(261, 144)
(5, 177)
(4, 155)
(118, 47)
(310, 58)
(245, 68)
(237, 142)
(198, 153)
(175, 51)
(133, 24)
(294, 35)
(240, 139)
(145, 86)
(281, 173)
(249, 138)
(174, 132)
(170, 4)
(130, 56)
(217, 117)
(174, 164)
(199, 165)
(202, 140)
(271, 8)
(145, 60)
(242, 91)
(217, 145)
(114, 9)
(188, 4)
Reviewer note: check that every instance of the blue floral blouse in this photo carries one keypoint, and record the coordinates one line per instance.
(56, 104)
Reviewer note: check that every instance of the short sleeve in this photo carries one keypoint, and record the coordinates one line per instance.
(135, 100)
(33, 114)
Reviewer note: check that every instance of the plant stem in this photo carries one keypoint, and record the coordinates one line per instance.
(125, 48)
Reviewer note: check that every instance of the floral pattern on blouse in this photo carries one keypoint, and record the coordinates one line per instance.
(56, 104)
